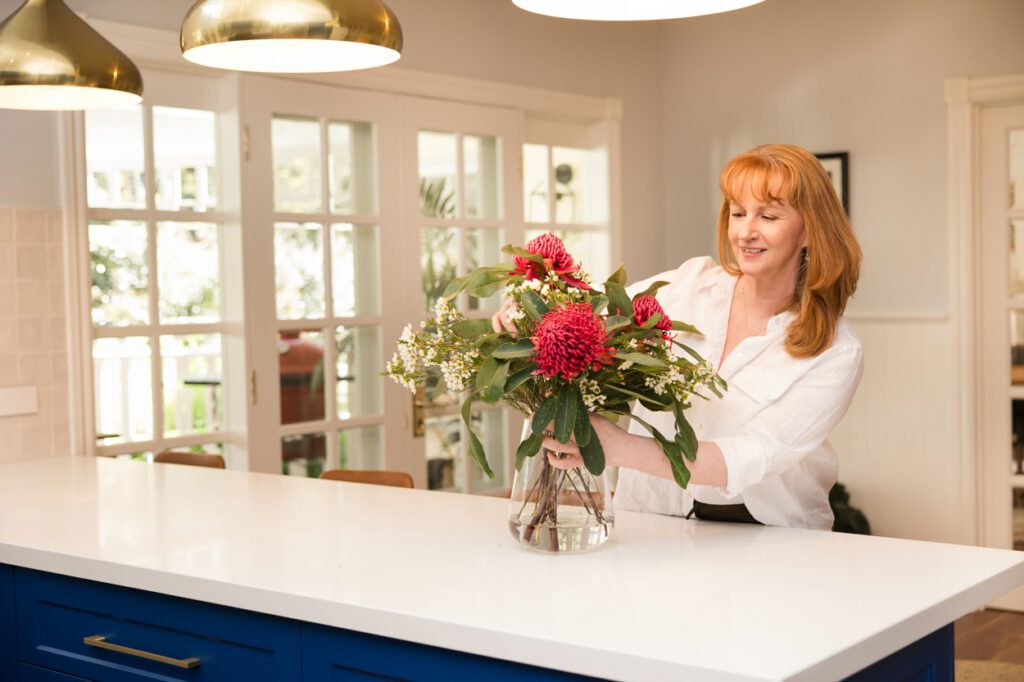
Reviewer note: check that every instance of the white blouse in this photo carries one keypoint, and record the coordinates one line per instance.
(773, 422)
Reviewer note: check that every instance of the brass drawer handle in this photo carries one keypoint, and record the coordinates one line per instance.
(101, 642)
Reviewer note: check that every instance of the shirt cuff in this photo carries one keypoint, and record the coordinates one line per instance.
(745, 463)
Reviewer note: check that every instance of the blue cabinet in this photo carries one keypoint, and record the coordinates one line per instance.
(8, 656)
(333, 655)
(104, 632)
(45, 620)
(33, 673)
(70, 629)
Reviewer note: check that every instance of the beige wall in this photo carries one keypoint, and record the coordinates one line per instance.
(867, 77)
(28, 159)
(33, 348)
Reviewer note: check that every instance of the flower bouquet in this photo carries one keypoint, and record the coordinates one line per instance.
(576, 349)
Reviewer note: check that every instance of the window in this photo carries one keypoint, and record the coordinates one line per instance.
(566, 191)
(156, 239)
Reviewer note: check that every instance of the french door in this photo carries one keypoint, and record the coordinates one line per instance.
(1002, 331)
(321, 219)
(462, 201)
(358, 208)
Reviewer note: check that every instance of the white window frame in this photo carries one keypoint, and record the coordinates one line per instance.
(169, 88)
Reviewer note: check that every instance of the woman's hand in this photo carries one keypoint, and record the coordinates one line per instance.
(567, 455)
(501, 322)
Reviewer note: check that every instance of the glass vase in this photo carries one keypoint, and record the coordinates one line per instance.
(559, 510)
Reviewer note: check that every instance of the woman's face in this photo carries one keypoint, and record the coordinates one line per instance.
(767, 237)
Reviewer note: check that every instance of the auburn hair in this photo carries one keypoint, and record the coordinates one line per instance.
(831, 264)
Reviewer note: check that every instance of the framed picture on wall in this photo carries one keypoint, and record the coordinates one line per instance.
(837, 164)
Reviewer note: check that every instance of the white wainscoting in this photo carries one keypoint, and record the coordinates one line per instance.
(898, 444)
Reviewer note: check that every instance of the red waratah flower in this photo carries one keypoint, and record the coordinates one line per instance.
(556, 259)
(569, 340)
(646, 307)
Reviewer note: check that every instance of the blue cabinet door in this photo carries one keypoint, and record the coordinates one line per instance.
(330, 654)
(929, 659)
(8, 653)
(57, 613)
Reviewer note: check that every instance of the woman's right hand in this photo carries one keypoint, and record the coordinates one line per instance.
(500, 321)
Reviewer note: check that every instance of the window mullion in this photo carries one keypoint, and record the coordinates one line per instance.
(153, 279)
(328, 356)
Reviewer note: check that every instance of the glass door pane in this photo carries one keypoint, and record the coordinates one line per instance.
(184, 152)
(115, 158)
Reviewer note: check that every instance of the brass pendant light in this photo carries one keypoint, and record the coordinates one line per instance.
(50, 59)
(631, 10)
(291, 36)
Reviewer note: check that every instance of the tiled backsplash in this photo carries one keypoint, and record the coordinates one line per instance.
(33, 319)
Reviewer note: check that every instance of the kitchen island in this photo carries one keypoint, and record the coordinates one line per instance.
(665, 599)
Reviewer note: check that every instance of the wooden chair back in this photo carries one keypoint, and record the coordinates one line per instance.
(397, 479)
(196, 459)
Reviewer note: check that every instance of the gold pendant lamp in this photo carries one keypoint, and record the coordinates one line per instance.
(50, 59)
(291, 36)
(631, 10)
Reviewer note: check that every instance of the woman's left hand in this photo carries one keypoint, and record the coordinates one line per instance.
(567, 455)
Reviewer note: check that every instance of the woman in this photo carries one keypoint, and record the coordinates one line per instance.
(772, 322)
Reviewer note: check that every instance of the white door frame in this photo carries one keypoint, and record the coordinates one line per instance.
(966, 99)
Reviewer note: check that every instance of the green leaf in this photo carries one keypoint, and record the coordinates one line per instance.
(652, 289)
(520, 377)
(519, 349)
(678, 326)
(565, 414)
(619, 276)
(599, 303)
(486, 290)
(686, 439)
(643, 334)
(522, 253)
(694, 354)
(651, 321)
(616, 321)
(490, 380)
(583, 430)
(672, 452)
(528, 448)
(544, 414)
(455, 288)
(619, 300)
(633, 394)
(534, 305)
(642, 360)
(484, 282)
(471, 329)
(593, 456)
(476, 448)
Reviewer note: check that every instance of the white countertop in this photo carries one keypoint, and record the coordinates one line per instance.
(665, 599)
